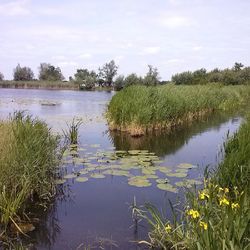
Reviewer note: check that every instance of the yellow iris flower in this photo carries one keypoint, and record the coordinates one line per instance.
(224, 201)
(193, 213)
(203, 225)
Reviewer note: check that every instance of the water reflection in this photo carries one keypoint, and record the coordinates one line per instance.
(163, 143)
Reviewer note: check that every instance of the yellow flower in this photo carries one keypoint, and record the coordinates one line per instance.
(203, 195)
(224, 201)
(226, 190)
(221, 189)
(193, 213)
(203, 225)
(168, 228)
(235, 205)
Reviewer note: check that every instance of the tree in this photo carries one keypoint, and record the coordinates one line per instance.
(119, 83)
(87, 79)
(108, 72)
(152, 78)
(183, 78)
(132, 79)
(48, 72)
(23, 73)
(1, 76)
(237, 66)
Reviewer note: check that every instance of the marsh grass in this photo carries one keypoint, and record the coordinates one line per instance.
(216, 217)
(138, 109)
(39, 85)
(28, 161)
(72, 133)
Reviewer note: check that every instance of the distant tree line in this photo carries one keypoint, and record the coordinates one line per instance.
(237, 75)
(106, 76)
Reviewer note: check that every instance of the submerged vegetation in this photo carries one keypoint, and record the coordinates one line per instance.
(138, 109)
(28, 163)
(216, 217)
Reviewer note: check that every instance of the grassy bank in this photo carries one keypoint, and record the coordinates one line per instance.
(28, 162)
(139, 109)
(39, 85)
(216, 217)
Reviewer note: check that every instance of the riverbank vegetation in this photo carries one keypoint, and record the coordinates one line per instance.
(106, 77)
(215, 217)
(140, 109)
(28, 165)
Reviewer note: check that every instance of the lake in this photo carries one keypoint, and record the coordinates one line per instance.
(95, 210)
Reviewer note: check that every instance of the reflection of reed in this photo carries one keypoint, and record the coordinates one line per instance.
(166, 143)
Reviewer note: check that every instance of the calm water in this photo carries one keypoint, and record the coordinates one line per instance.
(96, 213)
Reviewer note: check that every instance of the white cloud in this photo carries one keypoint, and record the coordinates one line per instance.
(67, 63)
(174, 60)
(197, 48)
(85, 56)
(175, 21)
(15, 8)
(151, 50)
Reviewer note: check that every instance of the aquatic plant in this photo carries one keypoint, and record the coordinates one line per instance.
(28, 162)
(138, 109)
(71, 135)
(217, 216)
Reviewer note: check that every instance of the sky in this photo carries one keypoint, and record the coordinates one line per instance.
(172, 35)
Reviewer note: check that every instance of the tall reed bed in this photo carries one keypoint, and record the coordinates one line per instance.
(216, 217)
(28, 161)
(39, 85)
(138, 109)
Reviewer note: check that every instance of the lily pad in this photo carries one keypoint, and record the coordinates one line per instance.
(69, 176)
(194, 182)
(83, 171)
(183, 184)
(81, 179)
(176, 174)
(162, 181)
(116, 172)
(167, 187)
(148, 171)
(60, 181)
(186, 166)
(164, 170)
(139, 182)
(95, 145)
(97, 176)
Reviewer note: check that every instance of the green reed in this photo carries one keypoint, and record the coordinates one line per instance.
(169, 105)
(28, 163)
(218, 215)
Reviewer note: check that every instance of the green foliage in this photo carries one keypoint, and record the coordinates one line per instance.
(133, 79)
(1, 76)
(168, 105)
(71, 135)
(108, 72)
(85, 78)
(216, 217)
(23, 73)
(28, 164)
(235, 76)
(48, 72)
(119, 82)
(152, 77)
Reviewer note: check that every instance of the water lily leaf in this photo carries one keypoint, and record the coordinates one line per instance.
(164, 170)
(186, 165)
(162, 181)
(69, 176)
(97, 176)
(95, 145)
(167, 187)
(139, 182)
(60, 181)
(148, 171)
(181, 170)
(73, 145)
(151, 176)
(83, 171)
(176, 174)
(116, 172)
(121, 152)
(81, 179)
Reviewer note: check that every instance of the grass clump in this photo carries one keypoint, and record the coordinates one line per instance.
(138, 109)
(28, 161)
(216, 217)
